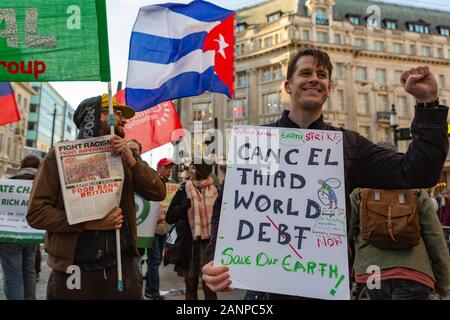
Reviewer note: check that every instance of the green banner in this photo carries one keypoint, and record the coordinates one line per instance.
(53, 40)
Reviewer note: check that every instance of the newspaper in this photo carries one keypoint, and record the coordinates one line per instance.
(91, 178)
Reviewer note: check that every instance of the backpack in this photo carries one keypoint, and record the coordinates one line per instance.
(389, 219)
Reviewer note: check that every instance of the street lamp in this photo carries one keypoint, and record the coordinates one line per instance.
(393, 120)
(53, 125)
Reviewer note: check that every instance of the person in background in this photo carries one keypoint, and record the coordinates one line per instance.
(19, 259)
(155, 253)
(192, 207)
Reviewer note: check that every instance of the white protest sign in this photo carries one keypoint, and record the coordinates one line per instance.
(283, 225)
(14, 196)
(147, 215)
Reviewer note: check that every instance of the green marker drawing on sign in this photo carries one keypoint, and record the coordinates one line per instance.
(333, 291)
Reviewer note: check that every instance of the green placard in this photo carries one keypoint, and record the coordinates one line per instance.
(53, 40)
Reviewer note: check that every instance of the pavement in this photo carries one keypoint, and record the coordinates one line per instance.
(171, 286)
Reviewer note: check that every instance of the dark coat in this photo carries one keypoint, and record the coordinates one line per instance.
(177, 214)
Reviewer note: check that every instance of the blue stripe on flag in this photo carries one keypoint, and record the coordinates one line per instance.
(185, 85)
(5, 89)
(200, 10)
(151, 48)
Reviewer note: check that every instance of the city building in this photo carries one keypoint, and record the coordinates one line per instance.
(12, 136)
(369, 53)
(50, 118)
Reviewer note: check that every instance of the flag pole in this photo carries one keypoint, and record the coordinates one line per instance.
(111, 122)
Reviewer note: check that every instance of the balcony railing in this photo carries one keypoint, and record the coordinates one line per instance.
(383, 115)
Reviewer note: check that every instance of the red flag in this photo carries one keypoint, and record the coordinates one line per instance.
(8, 107)
(152, 127)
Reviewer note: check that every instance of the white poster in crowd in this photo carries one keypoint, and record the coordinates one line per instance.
(148, 214)
(14, 196)
(91, 178)
(283, 225)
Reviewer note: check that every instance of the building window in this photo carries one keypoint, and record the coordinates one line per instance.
(277, 73)
(274, 16)
(390, 24)
(381, 76)
(242, 79)
(398, 76)
(361, 73)
(265, 74)
(363, 103)
(365, 131)
(448, 54)
(340, 100)
(271, 103)
(241, 27)
(276, 39)
(379, 46)
(426, 51)
(402, 107)
(69, 129)
(339, 70)
(444, 31)
(321, 17)
(418, 27)
(354, 20)
(383, 103)
(385, 134)
(440, 53)
(412, 49)
(202, 111)
(31, 126)
(337, 38)
(30, 143)
(33, 107)
(322, 37)
(305, 35)
(442, 81)
(237, 108)
(268, 42)
(361, 43)
(398, 48)
(9, 148)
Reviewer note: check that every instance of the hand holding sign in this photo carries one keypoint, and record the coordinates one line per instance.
(216, 278)
(112, 221)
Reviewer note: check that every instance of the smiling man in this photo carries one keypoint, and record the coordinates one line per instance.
(366, 164)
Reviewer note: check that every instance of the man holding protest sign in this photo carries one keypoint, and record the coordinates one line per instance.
(88, 249)
(365, 164)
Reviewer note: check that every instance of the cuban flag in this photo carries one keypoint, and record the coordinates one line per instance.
(180, 50)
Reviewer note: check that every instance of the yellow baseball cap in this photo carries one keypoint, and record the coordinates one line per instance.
(128, 112)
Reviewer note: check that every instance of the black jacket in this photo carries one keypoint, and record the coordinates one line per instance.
(367, 165)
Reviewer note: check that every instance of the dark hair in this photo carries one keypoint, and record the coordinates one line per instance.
(321, 58)
(202, 170)
(137, 142)
(30, 162)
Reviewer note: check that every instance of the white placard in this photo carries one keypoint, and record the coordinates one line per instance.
(283, 225)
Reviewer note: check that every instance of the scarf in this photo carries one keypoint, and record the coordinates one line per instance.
(202, 194)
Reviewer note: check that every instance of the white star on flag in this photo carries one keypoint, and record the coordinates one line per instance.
(222, 45)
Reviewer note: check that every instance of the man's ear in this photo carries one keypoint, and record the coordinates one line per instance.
(287, 87)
